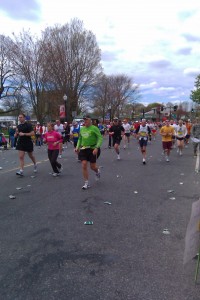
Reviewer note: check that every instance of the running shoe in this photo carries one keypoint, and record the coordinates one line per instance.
(35, 169)
(167, 158)
(20, 173)
(85, 186)
(55, 174)
(61, 168)
(60, 156)
(118, 157)
(144, 161)
(97, 175)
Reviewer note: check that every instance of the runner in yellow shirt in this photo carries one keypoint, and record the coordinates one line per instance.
(167, 132)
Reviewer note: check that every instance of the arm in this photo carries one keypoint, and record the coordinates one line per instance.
(27, 134)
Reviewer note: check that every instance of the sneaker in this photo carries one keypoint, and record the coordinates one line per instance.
(144, 161)
(124, 147)
(20, 173)
(167, 158)
(55, 174)
(180, 153)
(118, 157)
(85, 186)
(97, 175)
(178, 150)
(35, 169)
(60, 169)
(60, 156)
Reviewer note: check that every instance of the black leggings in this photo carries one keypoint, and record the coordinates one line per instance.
(53, 155)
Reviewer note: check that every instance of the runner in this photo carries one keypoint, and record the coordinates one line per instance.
(167, 132)
(88, 148)
(60, 129)
(195, 132)
(142, 133)
(117, 132)
(180, 132)
(53, 139)
(189, 127)
(74, 133)
(174, 125)
(24, 131)
(127, 130)
(38, 134)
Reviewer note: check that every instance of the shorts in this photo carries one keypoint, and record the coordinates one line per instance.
(180, 138)
(187, 136)
(28, 147)
(116, 140)
(153, 130)
(127, 134)
(86, 154)
(167, 145)
(143, 142)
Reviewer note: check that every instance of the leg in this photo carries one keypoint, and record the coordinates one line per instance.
(21, 155)
(85, 170)
(53, 156)
(93, 167)
(32, 157)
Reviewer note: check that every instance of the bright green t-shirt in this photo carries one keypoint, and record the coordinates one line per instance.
(90, 137)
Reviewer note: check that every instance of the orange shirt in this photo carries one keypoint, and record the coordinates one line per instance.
(189, 127)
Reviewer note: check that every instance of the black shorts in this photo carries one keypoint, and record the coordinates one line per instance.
(180, 138)
(116, 140)
(127, 134)
(187, 136)
(143, 142)
(28, 147)
(87, 154)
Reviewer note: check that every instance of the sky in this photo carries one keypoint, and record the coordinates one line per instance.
(156, 43)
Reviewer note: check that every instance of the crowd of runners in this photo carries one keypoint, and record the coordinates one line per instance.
(87, 138)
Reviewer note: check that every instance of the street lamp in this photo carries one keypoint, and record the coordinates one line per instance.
(65, 101)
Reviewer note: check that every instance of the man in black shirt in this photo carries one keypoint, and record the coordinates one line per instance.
(116, 131)
(23, 133)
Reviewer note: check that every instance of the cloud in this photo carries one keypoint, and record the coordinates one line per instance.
(108, 56)
(148, 85)
(159, 64)
(184, 51)
(22, 9)
(191, 38)
(193, 72)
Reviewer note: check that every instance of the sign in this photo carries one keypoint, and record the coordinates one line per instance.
(62, 111)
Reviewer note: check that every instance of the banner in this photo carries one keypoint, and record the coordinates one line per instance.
(62, 111)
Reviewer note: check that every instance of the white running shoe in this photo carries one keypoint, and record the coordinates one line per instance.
(97, 175)
(85, 186)
(20, 173)
(60, 156)
(35, 169)
(60, 169)
(55, 174)
(118, 156)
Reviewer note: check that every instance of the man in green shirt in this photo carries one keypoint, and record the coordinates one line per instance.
(88, 148)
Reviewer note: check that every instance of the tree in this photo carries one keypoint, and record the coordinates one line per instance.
(195, 94)
(6, 70)
(112, 93)
(72, 61)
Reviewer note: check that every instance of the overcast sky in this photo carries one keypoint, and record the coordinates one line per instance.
(155, 42)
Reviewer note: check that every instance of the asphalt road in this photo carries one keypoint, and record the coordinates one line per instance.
(46, 251)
